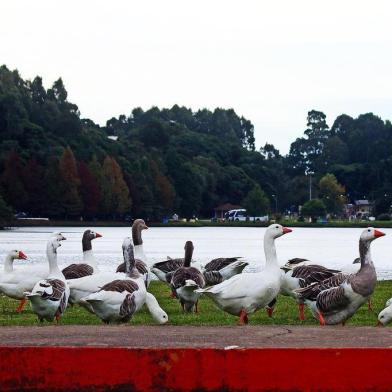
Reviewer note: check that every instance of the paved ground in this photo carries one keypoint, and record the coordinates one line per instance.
(182, 336)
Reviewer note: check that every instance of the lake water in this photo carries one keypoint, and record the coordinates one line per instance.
(332, 247)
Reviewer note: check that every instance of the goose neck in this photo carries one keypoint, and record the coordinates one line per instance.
(270, 251)
(364, 253)
(139, 253)
(51, 253)
(88, 258)
(8, 263)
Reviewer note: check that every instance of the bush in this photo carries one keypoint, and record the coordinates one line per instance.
(384, 217)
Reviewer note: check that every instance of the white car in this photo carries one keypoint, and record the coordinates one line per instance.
(240, 215)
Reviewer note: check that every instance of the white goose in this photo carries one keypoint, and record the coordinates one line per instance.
(49, 297)
(385, 316)
(89, 265)
(336, 299)
(16, 283)
(246, 293)
(118, 300)
(9, 268)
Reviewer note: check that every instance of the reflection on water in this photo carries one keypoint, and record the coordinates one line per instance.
(332, 247)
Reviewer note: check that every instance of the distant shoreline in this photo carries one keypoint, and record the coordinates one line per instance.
(200, 223)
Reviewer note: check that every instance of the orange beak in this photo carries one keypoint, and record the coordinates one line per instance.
(286, 230)
(97, 235)
(22, 255)
(379, 324)
(378, 233)
(145, 227)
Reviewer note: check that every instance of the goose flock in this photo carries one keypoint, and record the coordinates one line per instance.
(333, 296)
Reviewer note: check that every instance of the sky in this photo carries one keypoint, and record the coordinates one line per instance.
(271, 61)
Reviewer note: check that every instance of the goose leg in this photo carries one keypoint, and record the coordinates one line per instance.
(370, 305)
(57, 316)
(197, 307)
(301, 312)
(321, 319)
(243, 318)
(21, 305)
(270, 311)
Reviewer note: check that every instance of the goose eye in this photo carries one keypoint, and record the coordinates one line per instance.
(277, 227)
(369, 230)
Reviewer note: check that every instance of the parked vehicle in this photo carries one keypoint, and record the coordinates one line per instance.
(240, 215)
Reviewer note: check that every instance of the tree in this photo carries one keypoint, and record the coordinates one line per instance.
(314, 209)
(5, 213)
(89, 190)
(332, 194)
(12, 182)
(115, 193)
(71, 201)
(256, 202)
(34, 180)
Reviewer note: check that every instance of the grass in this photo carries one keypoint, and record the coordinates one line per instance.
(285, 312)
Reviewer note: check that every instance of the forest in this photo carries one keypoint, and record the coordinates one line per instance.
(154, 163)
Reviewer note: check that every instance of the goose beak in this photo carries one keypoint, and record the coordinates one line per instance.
(378, 233)
(22, 256)
(379, 324)
(145, 227)
(286, 230)
(97, 235)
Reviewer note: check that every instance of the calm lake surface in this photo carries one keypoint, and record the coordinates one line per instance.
(332, 247)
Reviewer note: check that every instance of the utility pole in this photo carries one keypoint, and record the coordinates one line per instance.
(310, 184)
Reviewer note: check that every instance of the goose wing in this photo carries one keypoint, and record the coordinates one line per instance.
(308, 274)
(187, 273)
(120, 286)
(332, 299)
(313, 290)
(128, 307)
(169, 265)
(219, 263)
(75, 271)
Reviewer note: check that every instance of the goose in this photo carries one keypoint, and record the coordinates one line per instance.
(385, 316)
(140, 258)
(117, 301)
(246, 293)
(89, 265)
(186, 280)
(49, 297)
(302, 275)
(336, 299)
(9, 268)
(16, 283)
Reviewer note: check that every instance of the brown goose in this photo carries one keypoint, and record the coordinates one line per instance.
(118, 300)
(301, 276)
(89, 265)
(140, 258)
(186, 280)
(336, 299)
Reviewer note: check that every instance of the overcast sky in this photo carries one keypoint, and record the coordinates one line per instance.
(272, 61)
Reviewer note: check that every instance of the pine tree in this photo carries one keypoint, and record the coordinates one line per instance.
(89, 190)
(71, 200)
(115, 193)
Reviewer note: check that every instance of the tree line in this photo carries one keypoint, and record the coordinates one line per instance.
(153, 163)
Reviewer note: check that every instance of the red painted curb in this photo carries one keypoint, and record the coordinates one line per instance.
(93, 368)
